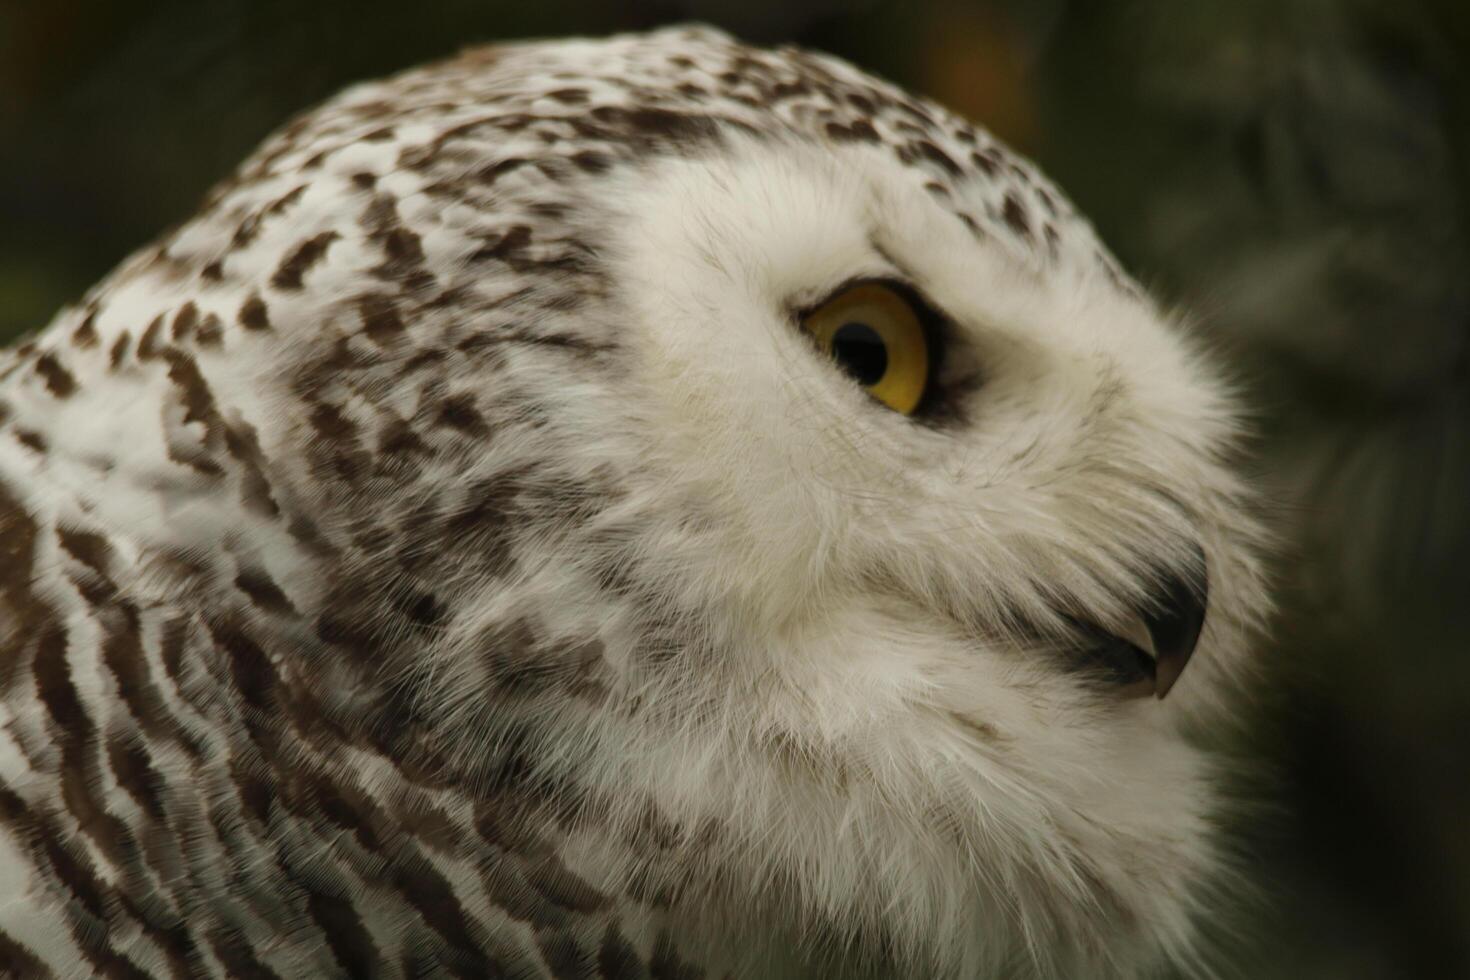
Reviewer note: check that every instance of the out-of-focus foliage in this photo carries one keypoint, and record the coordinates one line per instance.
(1295, 172)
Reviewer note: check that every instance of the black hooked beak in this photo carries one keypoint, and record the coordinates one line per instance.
(1147, 654)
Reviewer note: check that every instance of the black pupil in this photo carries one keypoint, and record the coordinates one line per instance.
(860, 351)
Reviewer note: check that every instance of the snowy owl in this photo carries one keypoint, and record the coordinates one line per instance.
(643, 507)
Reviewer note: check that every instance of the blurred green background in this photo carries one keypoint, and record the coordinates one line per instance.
(1297, 174)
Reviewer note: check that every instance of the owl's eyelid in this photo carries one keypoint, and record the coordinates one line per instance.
(929, 315)
(802, 307)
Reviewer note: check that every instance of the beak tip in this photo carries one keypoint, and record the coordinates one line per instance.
(1175, 629)
(1168, 673)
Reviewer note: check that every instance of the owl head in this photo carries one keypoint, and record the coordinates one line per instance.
(755, 479)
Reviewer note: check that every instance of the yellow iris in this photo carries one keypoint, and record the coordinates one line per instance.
(875, 335)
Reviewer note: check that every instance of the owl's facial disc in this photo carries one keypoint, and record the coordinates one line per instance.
(1146, 653)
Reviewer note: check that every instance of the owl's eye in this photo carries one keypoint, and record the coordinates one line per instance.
(877, 336)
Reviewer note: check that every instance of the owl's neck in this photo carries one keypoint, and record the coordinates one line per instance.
(336, 674)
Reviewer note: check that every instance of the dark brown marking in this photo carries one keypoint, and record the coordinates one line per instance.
(59, 380)
(134, 772)
(507, 824)
(70, 866)
(591, 161)
(459, 412)
(933, 153)
(403, 258)
(243, 445)
(507, 246)
(148, 347)
(171, 645)
(86, 334)
(250, 669)
(31, 440)
(512, 660)
(346, 459)
(18, 603)
(616, 958)
(255, 793)
(348, 939)
(198, 402)
(783, 91)
(179, 950)
(119, 349)
(54, 687)
(510, 894)
(496, 338)
(75, 733)
(381, 214)
(184, 322)
(917, 110)
(253, 314)
(341, 804)
(122, 653)
(17, 960)
(399, 438)
(646, 124)
(987, 160)
(430, 895)
(213, 272)
(380, 320)
(234, 953)
(431, 825)
(246, 232)
(564, 956)
(1047, 201)
(587, 677)
(495, 171)
(210, 332)
(423, 609)
(264, 592)
(358, 636)
(285, 200)
(302, 258)
(331, 424)
(89, 548)
(424, 358)
(1015, 215)
(859, 130)
(666, 963)
(74, 870)
(558, 885)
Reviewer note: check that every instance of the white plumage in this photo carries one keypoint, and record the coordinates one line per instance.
(449, 554)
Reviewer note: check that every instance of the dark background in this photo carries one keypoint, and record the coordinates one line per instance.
(1295, 173)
